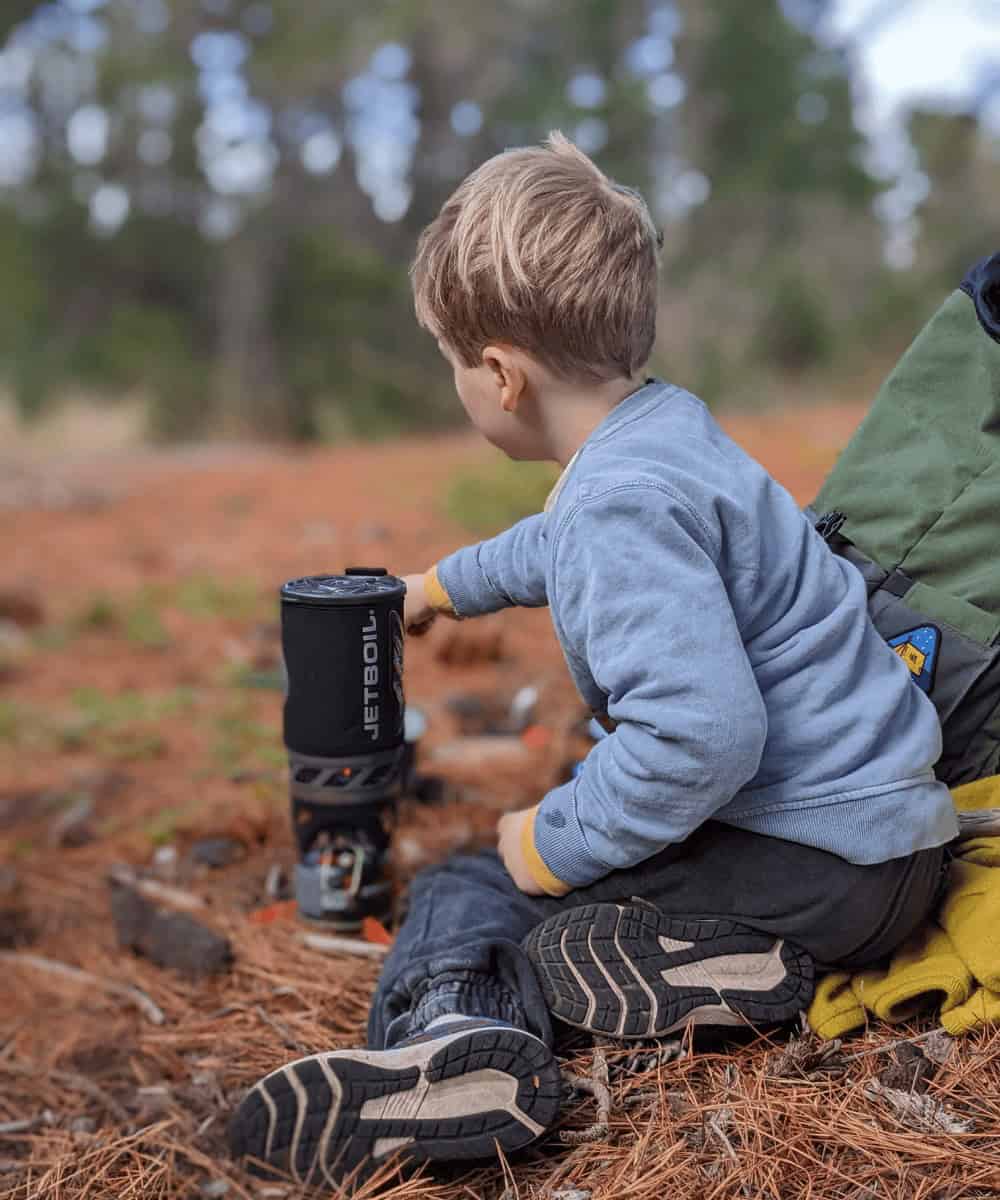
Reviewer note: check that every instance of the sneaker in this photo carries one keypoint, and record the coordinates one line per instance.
(629, 971)
(456, 1094)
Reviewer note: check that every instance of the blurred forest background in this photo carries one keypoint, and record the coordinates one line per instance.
(209, 206)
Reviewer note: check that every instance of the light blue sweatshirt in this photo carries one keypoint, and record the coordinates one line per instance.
(698, 607)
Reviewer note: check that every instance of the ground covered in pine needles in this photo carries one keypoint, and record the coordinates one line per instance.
(139, 721)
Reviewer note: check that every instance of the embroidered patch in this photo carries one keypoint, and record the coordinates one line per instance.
(918, 648)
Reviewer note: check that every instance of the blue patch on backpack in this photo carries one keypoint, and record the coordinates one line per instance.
(918, 648)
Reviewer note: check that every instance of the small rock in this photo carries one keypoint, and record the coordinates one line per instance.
(460, 647)
(217, 851)
(523, 708)
(276, 885)
(467, 706)
(22, 606)
(571, 1194)
(82, 1125)
(73, 827)
(429, 789)
(165, 863)
(16, 926)
(410, 852)
(101, 784)
(14, 648)
(169, 939)
(414, 723)
(477, 714)
(214, 1188)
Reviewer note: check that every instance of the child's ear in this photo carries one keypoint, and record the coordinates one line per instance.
(508, 375)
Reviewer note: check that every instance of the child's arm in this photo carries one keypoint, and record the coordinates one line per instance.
(506, 570)
(640, 598)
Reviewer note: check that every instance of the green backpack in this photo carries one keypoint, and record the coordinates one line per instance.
(914, 503)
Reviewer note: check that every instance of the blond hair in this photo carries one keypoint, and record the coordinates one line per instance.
(539, 249)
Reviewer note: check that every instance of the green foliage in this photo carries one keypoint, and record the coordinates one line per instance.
(99, 614)
(754, 69)
(162, 828)
(143, 624)
(122, 727)
(208, 596)
(488, 500)
(241, 741)
(12, 720)
(795, 331)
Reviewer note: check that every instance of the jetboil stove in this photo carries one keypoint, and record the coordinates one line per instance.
(345, 732)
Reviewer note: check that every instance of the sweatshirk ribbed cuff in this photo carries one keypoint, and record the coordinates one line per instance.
(437, 596)
(549, 883)
(559, 839)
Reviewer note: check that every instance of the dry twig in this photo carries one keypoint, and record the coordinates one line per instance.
(597, 1086)
(126, 991)
(933, 1036)
(152, 889)
(330, 944)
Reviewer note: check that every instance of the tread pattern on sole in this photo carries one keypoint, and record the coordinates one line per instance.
(305, 1120)
(601, 968)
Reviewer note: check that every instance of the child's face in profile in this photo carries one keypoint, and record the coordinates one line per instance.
(481, 390)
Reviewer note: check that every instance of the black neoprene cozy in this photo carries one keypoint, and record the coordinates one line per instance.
(342, 639)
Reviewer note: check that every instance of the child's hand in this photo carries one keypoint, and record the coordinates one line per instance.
(510, 827)
(420, 615)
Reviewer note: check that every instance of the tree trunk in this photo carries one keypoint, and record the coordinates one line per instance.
(248, 396)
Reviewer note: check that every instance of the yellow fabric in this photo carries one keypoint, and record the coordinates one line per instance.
(981, 1009)
(924, 971)
(551, 884)
(981, 793)
(438, 598)
(951, 963)
(835, 1010)
(970, 915)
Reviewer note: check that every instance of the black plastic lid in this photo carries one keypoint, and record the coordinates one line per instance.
(342, 589)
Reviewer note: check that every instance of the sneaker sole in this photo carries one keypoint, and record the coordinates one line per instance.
(631, 972)
(320, 1118)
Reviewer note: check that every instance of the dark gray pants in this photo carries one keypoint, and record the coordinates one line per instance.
(459, 947)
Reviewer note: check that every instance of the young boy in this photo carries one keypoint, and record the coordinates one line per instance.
(764, 798)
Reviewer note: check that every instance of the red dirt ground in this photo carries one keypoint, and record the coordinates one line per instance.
(189, 548)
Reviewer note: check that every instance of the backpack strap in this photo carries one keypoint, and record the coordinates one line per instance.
(982, 286)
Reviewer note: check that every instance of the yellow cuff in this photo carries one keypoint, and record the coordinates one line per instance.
(439, 599)
(980, 1011)
(540, 873)
(835, 1010)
